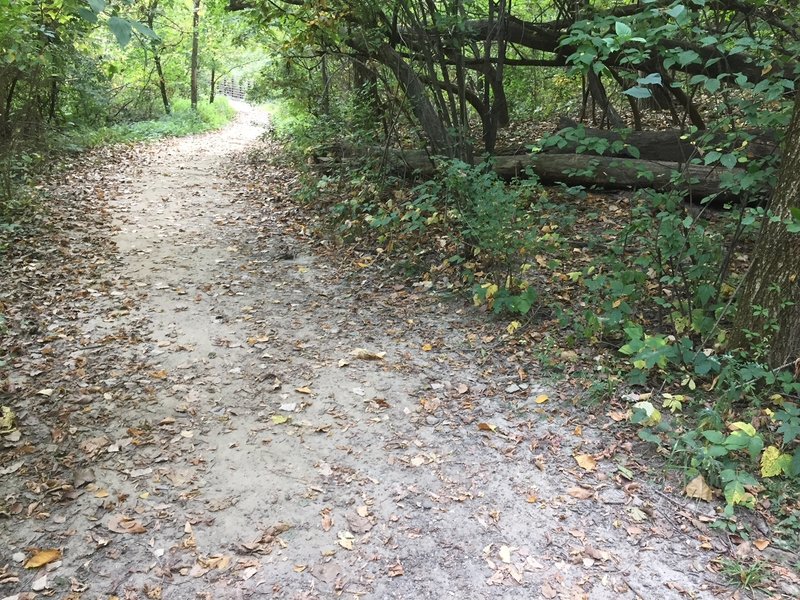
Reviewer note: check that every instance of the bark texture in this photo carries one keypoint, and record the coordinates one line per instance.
(771, 290)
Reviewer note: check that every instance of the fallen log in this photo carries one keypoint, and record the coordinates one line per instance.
(669, 145)
(696, 181)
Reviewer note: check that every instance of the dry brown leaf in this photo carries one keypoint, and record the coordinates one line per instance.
(761, 544)
(396, 570)
(364, 354)
(327, 519)
(505, 554)
(303, 390)
(123, 524)
(586, 462)
(698, 488)
(581, 493)
(487, 427)
(43, 557)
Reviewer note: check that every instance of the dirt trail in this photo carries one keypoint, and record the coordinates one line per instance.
(231, 445)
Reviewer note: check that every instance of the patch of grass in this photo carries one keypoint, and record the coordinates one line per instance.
(747, 576)
(182, 121)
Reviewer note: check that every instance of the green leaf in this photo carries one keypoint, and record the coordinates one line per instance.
(651, 79)
(121, 28)
(676, 11)
(144, 30)
(87, 15)
(687, 57)
(622, 29)
(715, 437)
(639, 92)
(97, 6)
(712, 85)
(728, 160)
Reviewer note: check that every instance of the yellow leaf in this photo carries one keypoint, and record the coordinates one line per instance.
(7, 417)
(586, 462)
(303, 390)
(541, 398)
(698, 488)
(773, 463)
(427, 347)
(43, 557)
(280, 419)
(761, 544)
(513, 326)
(741, 426)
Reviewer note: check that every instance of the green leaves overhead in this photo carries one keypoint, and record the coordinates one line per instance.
(121, 28)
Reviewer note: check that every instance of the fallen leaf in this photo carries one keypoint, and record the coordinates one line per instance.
(505, 554)
(698, 488)
(363, 511)
(541, 398)
(43, 557)
(346, 540)
(303, 390)
(327, 519)
(280, 419)
(427, 347)
(487, 427)
(396, 570)
(365, 354)
(123, 524)
(548, 592)
(581, 493)
(761, 544)
(162, 374)
(586, 462)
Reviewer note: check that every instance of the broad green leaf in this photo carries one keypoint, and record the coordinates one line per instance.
(121, 28)
(97, 6)
(687, 57)
(87, 15)
(712, 85)
(639, 92)
(144, 30)
(622, 29)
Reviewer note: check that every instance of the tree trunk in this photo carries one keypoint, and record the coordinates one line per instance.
(212, 93)
(769, 305)
(435, 130)
(162, 82)
(195, 52)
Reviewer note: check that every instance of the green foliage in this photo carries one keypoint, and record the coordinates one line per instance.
(182, 121)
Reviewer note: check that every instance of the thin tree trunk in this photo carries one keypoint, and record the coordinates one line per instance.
(212, 93)
(423, 110)
(195, 52)
(769, 305)
(162, 82)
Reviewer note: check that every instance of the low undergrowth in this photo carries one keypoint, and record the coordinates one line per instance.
(631, 293)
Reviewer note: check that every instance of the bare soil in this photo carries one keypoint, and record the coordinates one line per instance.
(205, 406)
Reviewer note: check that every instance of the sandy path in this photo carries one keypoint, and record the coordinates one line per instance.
(255, 456)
